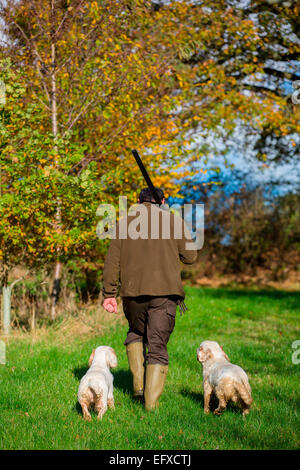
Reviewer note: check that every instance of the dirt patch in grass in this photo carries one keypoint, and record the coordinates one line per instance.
(89, 321)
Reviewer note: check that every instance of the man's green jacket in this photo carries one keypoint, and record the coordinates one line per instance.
(149, 266)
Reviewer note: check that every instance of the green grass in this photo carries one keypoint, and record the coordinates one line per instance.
(38, 385)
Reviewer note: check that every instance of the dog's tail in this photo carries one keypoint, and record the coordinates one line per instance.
(244, 391)
(96, 390)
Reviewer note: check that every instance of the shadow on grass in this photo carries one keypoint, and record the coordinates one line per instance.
(122, 378)
(198, 398)
(123, 381)
(77, 408)
(194, 396)
(291, 298)
(79, 372)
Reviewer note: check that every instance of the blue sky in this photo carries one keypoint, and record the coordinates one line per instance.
(285, 177)
(276, 179)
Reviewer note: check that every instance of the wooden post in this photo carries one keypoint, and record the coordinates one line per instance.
(6, 305)
(2, 353)
(1, 308)
(6, 295)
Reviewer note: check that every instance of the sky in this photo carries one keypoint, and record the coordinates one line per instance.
(283, 177)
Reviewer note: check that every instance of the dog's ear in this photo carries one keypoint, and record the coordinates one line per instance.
(208, 354)
(92, 357)
(204, 354)
(200, 354)
(225, 355)
(111, 358)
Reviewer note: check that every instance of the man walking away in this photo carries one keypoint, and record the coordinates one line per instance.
(148, 269)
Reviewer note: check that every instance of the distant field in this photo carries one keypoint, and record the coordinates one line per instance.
(38, 385)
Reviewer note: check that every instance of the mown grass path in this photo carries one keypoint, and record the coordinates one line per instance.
(38, 385)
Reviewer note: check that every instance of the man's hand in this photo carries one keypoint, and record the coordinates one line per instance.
(110, 305)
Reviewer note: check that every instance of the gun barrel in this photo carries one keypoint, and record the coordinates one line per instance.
(146, 177)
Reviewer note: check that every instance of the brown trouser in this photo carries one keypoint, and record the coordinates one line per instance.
(151, 321)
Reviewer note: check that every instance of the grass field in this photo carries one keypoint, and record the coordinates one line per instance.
(38, 385)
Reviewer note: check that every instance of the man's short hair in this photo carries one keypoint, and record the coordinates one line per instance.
(146, 195)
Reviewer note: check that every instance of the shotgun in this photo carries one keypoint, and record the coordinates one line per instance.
(147, 177)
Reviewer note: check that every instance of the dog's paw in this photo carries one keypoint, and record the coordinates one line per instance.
(218, 411)
(111, 403)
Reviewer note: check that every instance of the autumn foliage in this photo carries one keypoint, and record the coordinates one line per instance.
(88, 81)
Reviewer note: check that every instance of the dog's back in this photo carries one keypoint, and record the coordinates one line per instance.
(232, 380)
(227, 381)
(222, 369)
(94, 383)
(96, 386)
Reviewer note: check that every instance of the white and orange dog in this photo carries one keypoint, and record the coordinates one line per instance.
(227, 381)
(96, 386)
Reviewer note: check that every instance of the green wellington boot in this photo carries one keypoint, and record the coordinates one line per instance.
(136, 360)
(155, 381)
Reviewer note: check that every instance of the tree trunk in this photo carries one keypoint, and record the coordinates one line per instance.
(55, 289)
(57, 272)
(6, 304)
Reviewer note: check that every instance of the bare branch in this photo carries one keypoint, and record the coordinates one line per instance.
(18, 280)
(39, 59)
(82, 111)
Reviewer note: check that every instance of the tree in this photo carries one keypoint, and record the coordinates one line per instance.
(80, 64)
(107, 77)
(251, 59)
(29, 187)
(19, 241)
